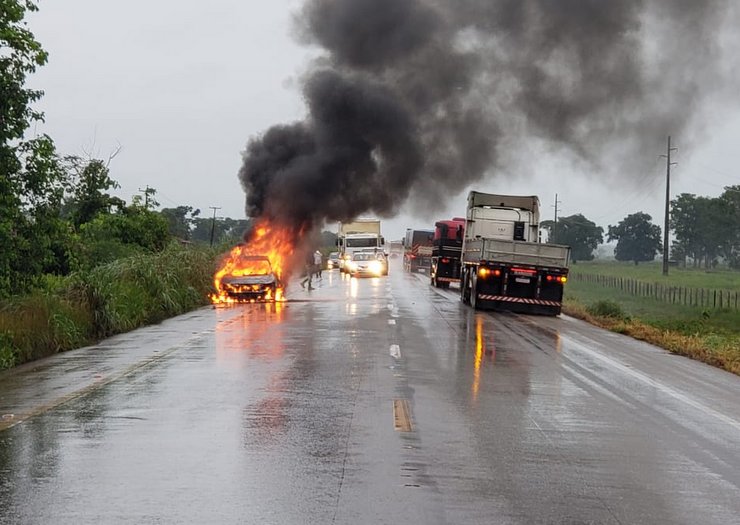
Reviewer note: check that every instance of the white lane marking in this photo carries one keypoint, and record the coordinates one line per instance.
(655, 384)
(396, 351)
(391, 321)
(394, 313)
(391, 306)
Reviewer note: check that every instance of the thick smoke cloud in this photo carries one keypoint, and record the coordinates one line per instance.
(420, 98)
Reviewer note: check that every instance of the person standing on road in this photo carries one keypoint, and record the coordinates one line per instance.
(309, 271)
(317, 262)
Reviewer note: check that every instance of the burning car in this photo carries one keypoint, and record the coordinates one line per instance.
(253, 281)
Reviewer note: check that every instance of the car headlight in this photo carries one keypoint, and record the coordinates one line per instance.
(351, 266)
(375, 267)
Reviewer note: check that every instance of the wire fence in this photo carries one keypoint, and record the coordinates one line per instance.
(685, 295)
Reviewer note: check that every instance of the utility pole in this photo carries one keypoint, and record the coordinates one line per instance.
(213, 222)
(146, 193)
(556, 207)
(667, 203)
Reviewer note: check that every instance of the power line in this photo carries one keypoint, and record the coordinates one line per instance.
(637, 195)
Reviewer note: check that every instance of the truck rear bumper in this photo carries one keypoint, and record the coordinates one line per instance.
(519, 304)
(518, 300)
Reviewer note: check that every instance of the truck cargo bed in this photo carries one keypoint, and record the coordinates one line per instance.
(516, 252)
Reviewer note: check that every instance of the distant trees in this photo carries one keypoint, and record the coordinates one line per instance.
(730, 205)
(707, 228)
(576, 231)
(638, 239)
(225, 230)
(328, 239)
(180, 220)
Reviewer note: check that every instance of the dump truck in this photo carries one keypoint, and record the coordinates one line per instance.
(446, 261)
(504, 266)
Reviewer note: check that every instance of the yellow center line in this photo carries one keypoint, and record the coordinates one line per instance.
(402, 416)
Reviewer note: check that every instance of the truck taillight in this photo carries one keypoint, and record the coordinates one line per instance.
(445, 260)
(557, 278)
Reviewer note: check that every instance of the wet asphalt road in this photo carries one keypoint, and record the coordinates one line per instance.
(369, 401)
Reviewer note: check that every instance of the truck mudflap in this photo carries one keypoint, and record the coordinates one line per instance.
(521, 300)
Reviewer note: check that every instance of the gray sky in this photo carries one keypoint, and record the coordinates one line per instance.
(181, 86)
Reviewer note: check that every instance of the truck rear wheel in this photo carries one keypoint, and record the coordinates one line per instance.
(474, 293)
(464, 288)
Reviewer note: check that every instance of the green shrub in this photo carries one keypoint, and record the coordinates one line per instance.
(145, 289)
(607, 308)
(39, 325)
(66, 313)
(8, 352)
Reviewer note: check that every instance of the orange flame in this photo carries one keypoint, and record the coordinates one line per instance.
(272, 241)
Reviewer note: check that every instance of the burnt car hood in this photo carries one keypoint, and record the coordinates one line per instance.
(249, 279)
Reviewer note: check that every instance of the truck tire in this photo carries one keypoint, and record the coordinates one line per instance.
(464, 288)
(474, 292)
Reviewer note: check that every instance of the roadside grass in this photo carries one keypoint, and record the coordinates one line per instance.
(71, 312)
(710, 336)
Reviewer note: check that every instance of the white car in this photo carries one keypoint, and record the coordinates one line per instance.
(333, 261)
(367, 263)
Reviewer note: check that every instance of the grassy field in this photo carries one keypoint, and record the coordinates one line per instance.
(652, 272)
(709, 335)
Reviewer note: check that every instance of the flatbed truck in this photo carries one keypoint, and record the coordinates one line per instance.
(504, 266)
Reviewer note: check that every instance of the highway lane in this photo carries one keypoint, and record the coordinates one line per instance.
(369, 401)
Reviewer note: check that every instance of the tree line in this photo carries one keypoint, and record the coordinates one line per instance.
(706, 230)
(57, 212)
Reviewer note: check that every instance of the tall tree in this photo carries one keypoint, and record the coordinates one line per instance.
(88, 185)
(31, 180)
(701, 226)
(576, 231)
(638, 239)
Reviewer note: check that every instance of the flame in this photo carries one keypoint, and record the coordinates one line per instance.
(269, 240)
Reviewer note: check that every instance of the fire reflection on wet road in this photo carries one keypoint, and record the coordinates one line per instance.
(366, 401)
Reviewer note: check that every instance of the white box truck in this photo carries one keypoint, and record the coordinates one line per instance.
(358, 235)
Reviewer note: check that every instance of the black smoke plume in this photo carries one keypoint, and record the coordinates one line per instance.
(421, 98)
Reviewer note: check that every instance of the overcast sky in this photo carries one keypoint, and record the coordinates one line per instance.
(181, 86)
